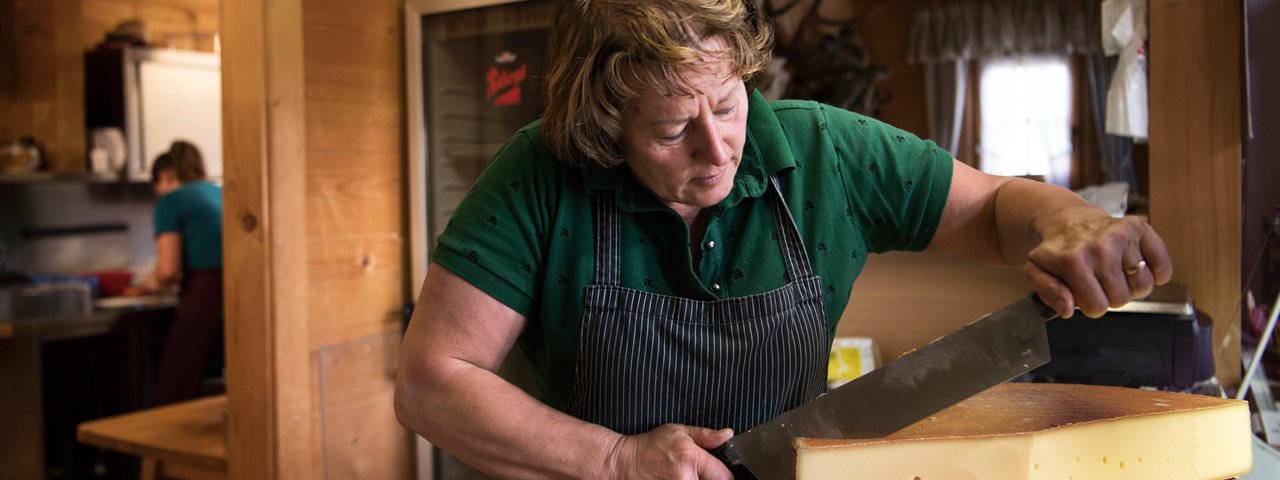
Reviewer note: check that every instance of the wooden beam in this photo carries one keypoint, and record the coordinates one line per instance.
(1195, 106)
(265, 249)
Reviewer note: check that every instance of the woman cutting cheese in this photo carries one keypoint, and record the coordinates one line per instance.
(672, 252)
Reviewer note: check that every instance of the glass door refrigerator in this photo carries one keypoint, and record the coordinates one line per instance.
(474, 75)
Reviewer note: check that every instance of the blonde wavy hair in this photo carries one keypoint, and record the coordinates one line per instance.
(603, 52)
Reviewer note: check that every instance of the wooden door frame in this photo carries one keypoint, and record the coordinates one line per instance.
(264, 240)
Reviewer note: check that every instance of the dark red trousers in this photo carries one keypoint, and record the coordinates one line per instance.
(194, 332)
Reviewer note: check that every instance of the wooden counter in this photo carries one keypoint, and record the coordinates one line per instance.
(183, 440)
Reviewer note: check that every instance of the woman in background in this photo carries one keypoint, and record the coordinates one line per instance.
(188, 223)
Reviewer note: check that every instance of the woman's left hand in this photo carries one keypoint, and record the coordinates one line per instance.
(1089, 260)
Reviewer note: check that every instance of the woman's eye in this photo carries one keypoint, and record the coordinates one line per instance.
(673, 138)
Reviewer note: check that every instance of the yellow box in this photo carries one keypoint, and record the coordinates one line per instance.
(851, 357)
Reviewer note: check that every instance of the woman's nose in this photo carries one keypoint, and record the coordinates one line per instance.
(710, 148)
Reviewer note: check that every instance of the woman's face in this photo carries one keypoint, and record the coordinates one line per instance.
(166, 181)
(686, 149)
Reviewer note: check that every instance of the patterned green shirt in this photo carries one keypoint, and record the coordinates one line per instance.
(854, 185)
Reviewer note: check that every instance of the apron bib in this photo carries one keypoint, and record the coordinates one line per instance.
(646, 359)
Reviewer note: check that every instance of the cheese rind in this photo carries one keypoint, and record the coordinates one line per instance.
(1034, 432)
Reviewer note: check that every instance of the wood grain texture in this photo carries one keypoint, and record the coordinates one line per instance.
(192, 433)
(46, 99)
(287, 168)
(905, 300)
(268, 377)
(428, 7)
(67, 149)
(182, 24)
(1195, 158)
(362, 438)
(353, 198)
(320, 130)
(252, 426)
(353, 68)
(356, 283)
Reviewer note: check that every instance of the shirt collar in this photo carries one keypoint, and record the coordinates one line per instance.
(765, 153)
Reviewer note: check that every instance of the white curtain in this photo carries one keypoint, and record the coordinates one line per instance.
(1026, 117)
(969, 30)
(945, 84)
(944, 39)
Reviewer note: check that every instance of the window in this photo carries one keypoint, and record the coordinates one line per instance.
(1026, 117)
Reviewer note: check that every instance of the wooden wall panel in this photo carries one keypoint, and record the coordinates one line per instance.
(355, 204)
(885, 29)
(67, 147)
(905, 300)
(362, 281)
(184, 24)
(1195, 157)
(357, 419)
(314, 120)
(46, 98)
(353, 193)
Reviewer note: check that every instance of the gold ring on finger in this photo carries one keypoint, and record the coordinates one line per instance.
(1134, 270)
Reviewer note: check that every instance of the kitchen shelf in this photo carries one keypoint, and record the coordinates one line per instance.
(52, 177)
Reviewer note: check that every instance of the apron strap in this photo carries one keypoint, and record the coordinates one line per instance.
(608, 231)
(794, 256)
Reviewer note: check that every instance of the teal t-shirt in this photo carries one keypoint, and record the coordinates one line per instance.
(194, 210)
(524, 233)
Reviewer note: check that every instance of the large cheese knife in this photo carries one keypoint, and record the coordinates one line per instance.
(988, 351)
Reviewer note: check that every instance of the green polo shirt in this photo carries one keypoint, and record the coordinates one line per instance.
(524, 233)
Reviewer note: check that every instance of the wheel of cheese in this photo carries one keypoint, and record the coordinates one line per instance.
(1050, 431)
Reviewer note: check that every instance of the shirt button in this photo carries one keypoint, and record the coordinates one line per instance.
(715, 287)
(710, 244)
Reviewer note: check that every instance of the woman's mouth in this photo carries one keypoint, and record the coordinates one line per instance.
(710, 179)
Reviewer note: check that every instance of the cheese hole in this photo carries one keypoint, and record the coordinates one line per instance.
(1037, 466)
(1122, 465)
(1139, 460)
(1104, 460)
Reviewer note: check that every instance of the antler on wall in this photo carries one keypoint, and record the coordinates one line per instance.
(823, 59)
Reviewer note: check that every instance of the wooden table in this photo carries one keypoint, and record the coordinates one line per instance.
(184, 440)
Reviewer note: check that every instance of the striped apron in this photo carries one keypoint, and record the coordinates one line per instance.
(646, 359)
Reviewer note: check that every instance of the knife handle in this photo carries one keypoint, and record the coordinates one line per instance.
(727, 455)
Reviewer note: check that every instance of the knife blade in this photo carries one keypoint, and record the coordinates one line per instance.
(988, 351)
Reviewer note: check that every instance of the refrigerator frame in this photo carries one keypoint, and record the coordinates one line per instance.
(417, 134)
(419, 170)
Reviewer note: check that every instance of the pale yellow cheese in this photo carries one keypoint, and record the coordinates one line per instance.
(1050, 432)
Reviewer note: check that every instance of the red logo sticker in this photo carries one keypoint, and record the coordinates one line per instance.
(504, 85)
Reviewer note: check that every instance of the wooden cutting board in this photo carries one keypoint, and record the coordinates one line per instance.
(1051, 431)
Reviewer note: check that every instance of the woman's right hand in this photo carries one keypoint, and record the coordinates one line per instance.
(670, 451)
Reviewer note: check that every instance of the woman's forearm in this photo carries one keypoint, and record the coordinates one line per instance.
(496, 427)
